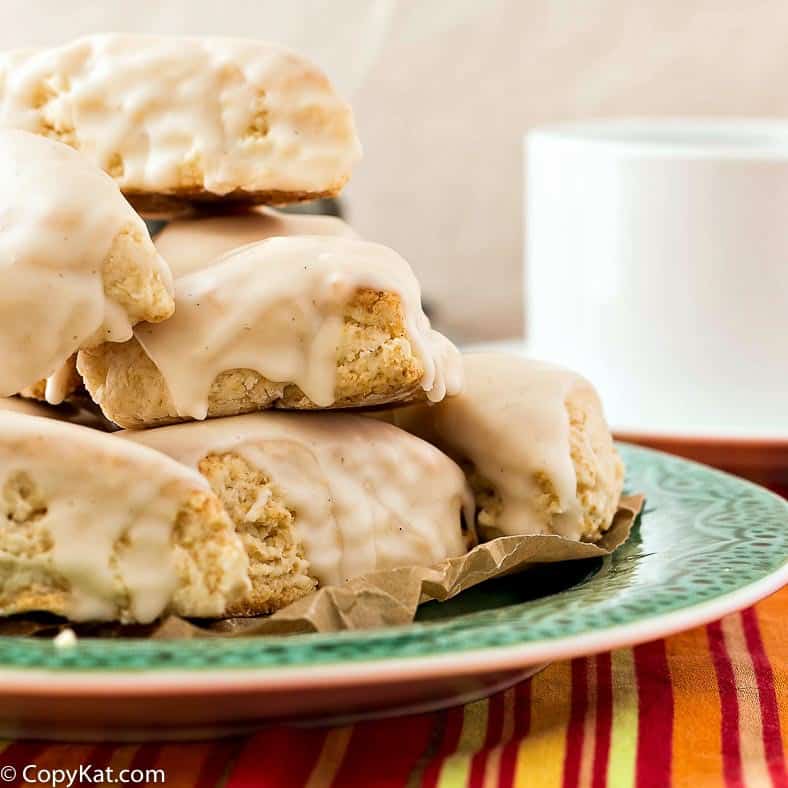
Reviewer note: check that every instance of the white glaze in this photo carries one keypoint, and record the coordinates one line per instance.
(367, 496)
(511, 423)
(58, 385)
(98, 489)
(58, 218)
(153, 110)
(276, 307)
(192, 243)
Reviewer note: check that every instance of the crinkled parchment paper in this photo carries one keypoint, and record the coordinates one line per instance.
(380, 599)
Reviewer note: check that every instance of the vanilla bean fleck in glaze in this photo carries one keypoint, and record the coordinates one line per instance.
(276, 307)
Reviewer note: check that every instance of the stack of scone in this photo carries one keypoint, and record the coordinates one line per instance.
(232, 351)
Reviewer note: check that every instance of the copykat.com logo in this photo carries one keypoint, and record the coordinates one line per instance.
(82, 775)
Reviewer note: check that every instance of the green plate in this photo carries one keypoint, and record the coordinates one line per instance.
(706, 543)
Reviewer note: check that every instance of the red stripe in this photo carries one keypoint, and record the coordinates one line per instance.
(219, 762)
(492, 739)
(655, 715)
(577, 716)
(604, 720)
(726, 686)
(770, 717)
(277, 758)
(145, 756)
(522, 723)
(451, 738)
(100, 756)
(385, 749)
(20, 754)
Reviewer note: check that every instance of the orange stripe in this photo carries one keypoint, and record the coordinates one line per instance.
(182, 763)
(123, 756)
(750, 724)
(61, 756)
(540, 756)
(772, 615)
(697, 743)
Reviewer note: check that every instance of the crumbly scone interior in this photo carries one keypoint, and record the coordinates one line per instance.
(204, 551)
(375, 364)
(598, 466)
(132, 278)
(278, 570)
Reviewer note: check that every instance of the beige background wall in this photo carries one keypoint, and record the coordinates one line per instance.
(445, 89)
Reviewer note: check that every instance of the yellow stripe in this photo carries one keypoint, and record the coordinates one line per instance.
(753, 757)
(624, 732)
(456, 769)
(540, 755)
(331, 757)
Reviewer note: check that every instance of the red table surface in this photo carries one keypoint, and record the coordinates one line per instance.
(707, 707)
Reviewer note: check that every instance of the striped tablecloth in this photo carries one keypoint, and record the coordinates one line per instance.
(708, 707)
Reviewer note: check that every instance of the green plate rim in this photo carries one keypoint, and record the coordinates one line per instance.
(725, 534)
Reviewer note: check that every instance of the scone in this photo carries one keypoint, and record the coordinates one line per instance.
(301, 322)
(318, 499)
(77, 265)
(31, 408)
(533, 440)
(59, 386)
(192, 118)
(95, 528)
(193, 242)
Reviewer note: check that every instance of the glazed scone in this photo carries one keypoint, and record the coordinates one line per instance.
(99, 529)
(301, 322)
(58, 387)
(318, 499)
(30, 408)
(192, 118)
(194, 242)
(77, 265)
(534, 443)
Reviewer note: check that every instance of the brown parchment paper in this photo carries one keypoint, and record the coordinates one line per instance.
(380, 599)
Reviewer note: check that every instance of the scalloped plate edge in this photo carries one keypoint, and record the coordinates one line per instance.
(42, 683)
